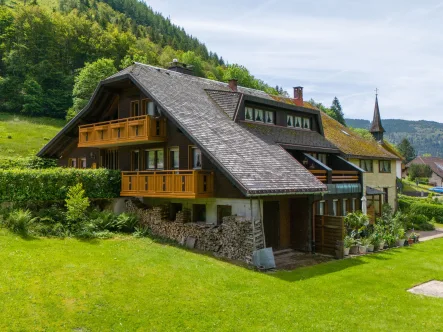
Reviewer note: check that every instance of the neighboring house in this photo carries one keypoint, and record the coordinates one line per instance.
(379, 163)
(215, 149)
(436, 165)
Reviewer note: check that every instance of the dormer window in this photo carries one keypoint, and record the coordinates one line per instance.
(249, 113)
(269, 117)
(298, 122)
(306, 123)
(290, 121)
(259, 115)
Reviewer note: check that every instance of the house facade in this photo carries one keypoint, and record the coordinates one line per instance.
(215, 150)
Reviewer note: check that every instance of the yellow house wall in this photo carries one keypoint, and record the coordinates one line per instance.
(379, 180)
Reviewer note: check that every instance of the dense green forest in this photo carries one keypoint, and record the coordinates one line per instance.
(425, 136)
(44, 45)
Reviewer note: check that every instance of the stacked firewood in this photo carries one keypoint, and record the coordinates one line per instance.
(233, 239)
(183, 216)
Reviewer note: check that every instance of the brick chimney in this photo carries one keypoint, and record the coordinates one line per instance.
(233, 84)
(298, 95)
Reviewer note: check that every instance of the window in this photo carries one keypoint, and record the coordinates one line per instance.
(335, 207)
(149, 108)
(198, 212)
(135, 160)
(174, 161)
(154, 159)
(249, 113)
(306, 123)
(82, 162)
(223, 211)
(135, 109)
(269, 117)
(321, 208)
(196, 158)
(345, 206)
(297, 122)
(258, 115)
(321, 157)
(386, 198)
(290, 121)
(109, 159)
(366, 165)
(384, 166)
(72, 162)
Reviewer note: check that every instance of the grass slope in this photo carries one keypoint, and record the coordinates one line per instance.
(28, 135)
(128, 284)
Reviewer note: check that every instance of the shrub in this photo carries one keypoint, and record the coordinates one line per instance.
(27, 162)
(109, 221)
(76, 203)
(18, 221)
(24, 185)
(429, 210)
(419, 171)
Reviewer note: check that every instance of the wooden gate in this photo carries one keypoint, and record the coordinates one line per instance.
(328, 231)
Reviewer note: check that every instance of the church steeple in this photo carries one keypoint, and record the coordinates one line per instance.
(377, 129)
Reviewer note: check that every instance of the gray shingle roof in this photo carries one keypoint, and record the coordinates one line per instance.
(227, 101)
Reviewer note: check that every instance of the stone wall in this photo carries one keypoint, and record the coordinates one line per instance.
(235, 238)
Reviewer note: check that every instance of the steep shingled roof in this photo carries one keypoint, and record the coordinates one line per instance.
(350, 143)
(228, 101)
(435, 163)
(256, 166)
(376, 126)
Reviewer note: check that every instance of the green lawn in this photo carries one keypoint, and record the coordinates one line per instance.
(27, 135)
(128, 284)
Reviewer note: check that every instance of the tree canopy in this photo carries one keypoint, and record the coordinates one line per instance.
(407, 150)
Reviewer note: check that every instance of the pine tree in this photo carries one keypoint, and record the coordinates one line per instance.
(336, 108)
(407, 150)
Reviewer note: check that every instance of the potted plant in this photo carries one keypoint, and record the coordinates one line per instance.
(347, 243)
(410, 239)
(389, 240)
(415, 236)
(364, 243)
(374, 242)
(400, 237)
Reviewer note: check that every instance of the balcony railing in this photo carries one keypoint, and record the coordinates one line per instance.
(337, 176)
(137, 129)
(172, 184)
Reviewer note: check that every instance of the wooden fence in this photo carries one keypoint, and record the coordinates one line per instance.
(329, 231)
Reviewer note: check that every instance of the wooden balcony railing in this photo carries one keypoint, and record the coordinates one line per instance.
(337, 176)
(172, 184)
(129, 130)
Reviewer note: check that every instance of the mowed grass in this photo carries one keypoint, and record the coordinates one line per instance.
(27, 135)
(128, 284)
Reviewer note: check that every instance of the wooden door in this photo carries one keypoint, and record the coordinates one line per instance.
(300, 223)
(271, 222)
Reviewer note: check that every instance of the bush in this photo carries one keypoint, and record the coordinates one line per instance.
(420, 171)
(18, 221)
(76, 204)
(108, 221)
(405, 202)
(429, 210)
(23, 185)
(27, 162)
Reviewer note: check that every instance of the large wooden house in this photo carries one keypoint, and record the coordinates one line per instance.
(214, 148)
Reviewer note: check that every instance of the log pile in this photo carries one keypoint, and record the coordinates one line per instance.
(183, 216)
(233, 239)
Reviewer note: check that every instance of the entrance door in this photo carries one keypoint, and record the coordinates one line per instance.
(271, 222)
(300, 224)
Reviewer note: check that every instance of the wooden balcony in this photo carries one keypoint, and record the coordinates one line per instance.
(138, 129)
(171, 184)
(337, 176)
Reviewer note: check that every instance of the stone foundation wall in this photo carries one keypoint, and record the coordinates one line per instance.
(233, 239)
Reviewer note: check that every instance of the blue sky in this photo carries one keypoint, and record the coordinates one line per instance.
(332, 48)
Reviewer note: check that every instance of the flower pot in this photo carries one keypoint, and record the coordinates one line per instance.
(410, 241)
(370, 248)
(400, 243)
(353, 250)
(346, 251)
(382, 246)
(362, 249)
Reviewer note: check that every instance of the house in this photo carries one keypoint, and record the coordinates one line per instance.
(436, 165)
(375, 157)
(216, 150)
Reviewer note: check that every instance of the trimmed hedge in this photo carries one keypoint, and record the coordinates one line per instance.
(428, 210)
(18, 185)
(405, 202)
(27, 162)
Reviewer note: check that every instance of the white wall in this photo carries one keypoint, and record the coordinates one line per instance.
(398, 168)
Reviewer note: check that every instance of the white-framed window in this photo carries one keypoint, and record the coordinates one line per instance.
(82, 162)
(174, 158)
(335, 207)
(258, 115)
(154, 159)
(269, 117)
(297, 122)
(249, 113)
(72, 162)
(290, 121)
(306, 123)
(196, 158)
(321, 208)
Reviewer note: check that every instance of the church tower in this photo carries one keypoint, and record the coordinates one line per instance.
(377, 129)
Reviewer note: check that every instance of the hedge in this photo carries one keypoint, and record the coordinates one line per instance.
(428, 210)
(19, 185)
(27, 162)
(405, 202)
